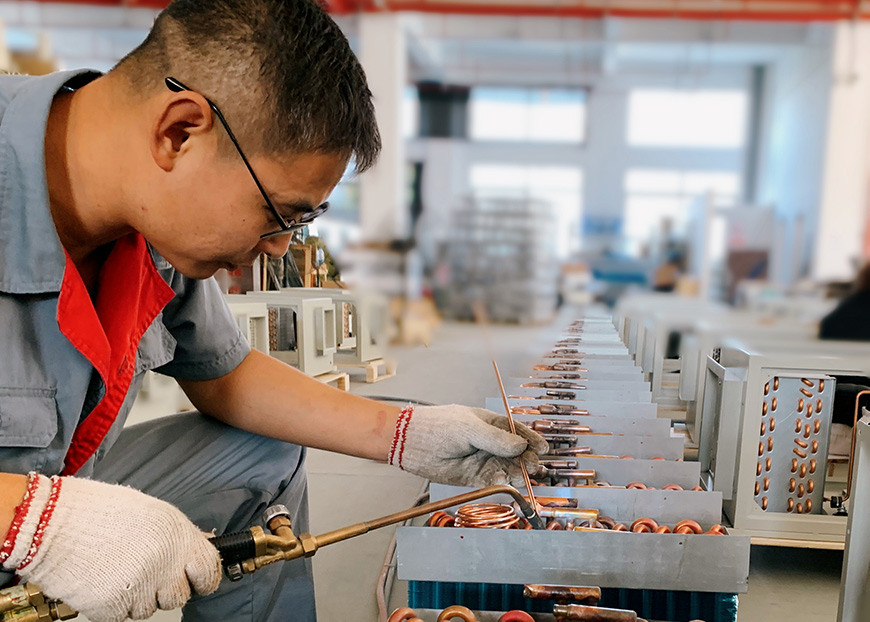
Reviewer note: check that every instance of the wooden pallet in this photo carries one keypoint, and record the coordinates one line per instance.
(372, 368)
(340, 378)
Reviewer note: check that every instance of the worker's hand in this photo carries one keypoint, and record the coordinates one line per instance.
(108, 551)
(463, 446)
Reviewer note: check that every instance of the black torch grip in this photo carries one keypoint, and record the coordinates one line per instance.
(235, 547)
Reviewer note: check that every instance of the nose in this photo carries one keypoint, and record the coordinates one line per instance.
(275, 246)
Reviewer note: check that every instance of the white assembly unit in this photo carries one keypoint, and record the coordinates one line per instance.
(253, 320)
(301, 330)
(766, 420)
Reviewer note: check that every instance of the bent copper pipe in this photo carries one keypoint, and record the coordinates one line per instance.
(854, 439)
(562, 366)
(457, 612)
(587, 613)
(556, 502)
(404, 613)
(551, 463)
(687, 527)
(644, 525)
(516, 616)
(553, 384)
(563, 593)
(570, 451)
(672, 487)
(564, 427)
(717, 530)
(570, 513)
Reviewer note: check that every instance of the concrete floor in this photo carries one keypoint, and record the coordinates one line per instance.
(785, 584)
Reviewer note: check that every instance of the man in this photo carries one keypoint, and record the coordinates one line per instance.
(120, 196)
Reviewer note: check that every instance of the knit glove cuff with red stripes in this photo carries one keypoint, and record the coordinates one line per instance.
(463, 446)
(108, 551)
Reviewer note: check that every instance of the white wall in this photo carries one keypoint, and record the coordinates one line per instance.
(603, 159)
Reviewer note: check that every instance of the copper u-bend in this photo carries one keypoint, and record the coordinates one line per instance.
(516, 616)
(404, 614)
(457, 611)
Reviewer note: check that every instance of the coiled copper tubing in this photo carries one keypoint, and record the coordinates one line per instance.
(404, 613)
(644, 525)
(487, 516)
(687, 526)
(457, 612)
(717, 530)
(663, 529)
(440, 519)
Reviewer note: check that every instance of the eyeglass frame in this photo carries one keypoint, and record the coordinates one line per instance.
(286, 227)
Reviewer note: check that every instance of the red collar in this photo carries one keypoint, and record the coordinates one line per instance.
(131, 294)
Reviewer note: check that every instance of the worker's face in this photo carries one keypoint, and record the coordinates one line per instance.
(218, 220)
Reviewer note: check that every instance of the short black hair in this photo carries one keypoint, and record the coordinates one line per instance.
(282, 72)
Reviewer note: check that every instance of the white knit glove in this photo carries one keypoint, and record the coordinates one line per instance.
(463, 446)
(108, 551)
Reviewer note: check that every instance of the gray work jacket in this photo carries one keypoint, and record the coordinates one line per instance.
(47, 387)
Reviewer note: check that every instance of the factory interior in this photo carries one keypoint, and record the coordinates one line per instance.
(640, 229)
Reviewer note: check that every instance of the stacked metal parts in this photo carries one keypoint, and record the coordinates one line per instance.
(614, 466)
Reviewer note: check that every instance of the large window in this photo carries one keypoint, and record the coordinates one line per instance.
(559, 186)
(528, 115)
(654, 196)
(687, 119)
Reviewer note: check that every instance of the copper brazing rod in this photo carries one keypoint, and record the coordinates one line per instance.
(507, 410)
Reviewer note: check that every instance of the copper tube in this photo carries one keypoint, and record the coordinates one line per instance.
(819, 406)
(803, 470)
(800, 491)
(797, 427)
(587, 613)
(807, 431)
(809, 412)
(760, 448)
(570, 451)
(554, 525)
(799, 508)
(516, 616)
(800, 404)
(757, 488)
(764, 503)
(808, 382)
(557, 367)
(773, 404)
(821, 385)
(794, 465)
(766, 388)
(556, 502)
(763, 428)
(663, 529)
(799, 453)
(800, 443)
(812, 466)
(673, 487)
(805, 392)
(814, 446)
(560, 394)
(552, 384)
(792, 484)
(644, 525)
(487, 516)
(809, 503)
(441, 519)
(811, 486)
(790, 505)
(767, 483)
(592, 524)
(767, 464)
(582, 474)
(525, 471)
(817, 425)
(607, 521)
(764, 409)
(547, 425)
(559, 438)
(563, 593)
(636, 486)
(687, 526)
(697, 489)
(717, 530)
(561, 409)
(457, 612)
(404, 613)
(758, 469)
(620, 527)
(769, 443)
(776, 384)
(550, 463)
(656, 458)
(772, 423)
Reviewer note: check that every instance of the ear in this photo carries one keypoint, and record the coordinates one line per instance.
(184, 116)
